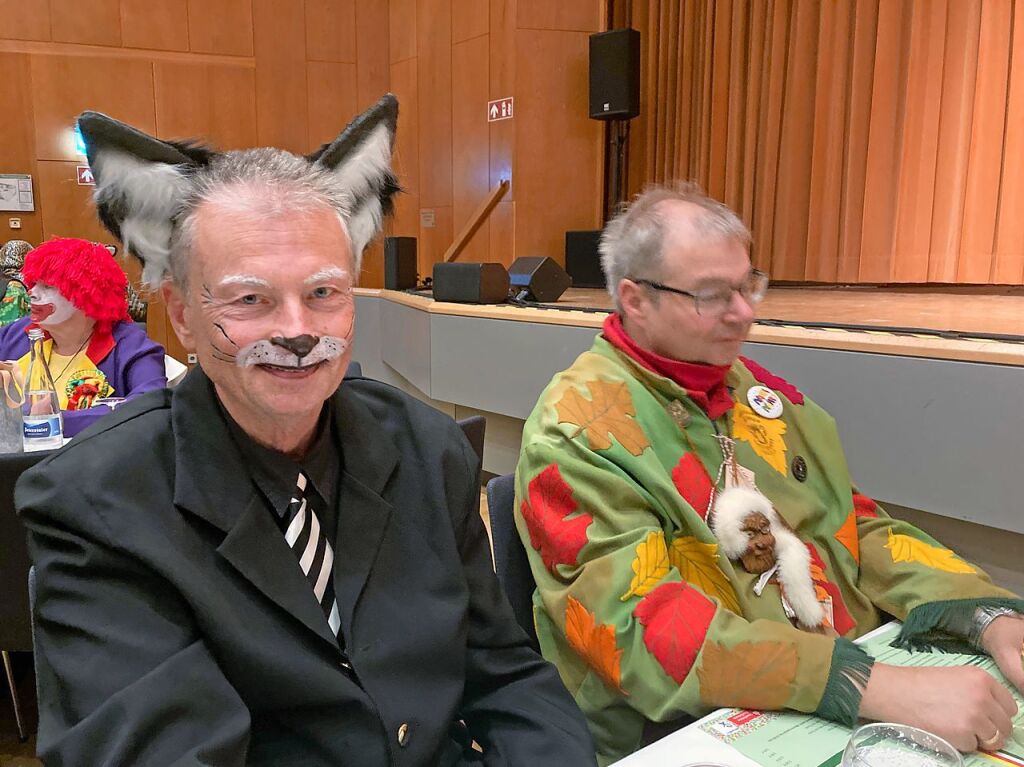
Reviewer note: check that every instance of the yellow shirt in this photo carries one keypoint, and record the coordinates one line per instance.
(76, 377)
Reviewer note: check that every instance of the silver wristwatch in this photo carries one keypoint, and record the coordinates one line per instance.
(983, 616)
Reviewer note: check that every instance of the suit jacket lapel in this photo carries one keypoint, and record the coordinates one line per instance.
(370, 458)
(212, 482)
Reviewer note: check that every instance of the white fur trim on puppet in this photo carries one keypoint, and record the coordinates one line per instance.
(795, 577)
(152, 193)
(731, 507)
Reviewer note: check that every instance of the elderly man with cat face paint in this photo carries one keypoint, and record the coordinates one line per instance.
(267, 565)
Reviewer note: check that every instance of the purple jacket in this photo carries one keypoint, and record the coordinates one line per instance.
(135, 365)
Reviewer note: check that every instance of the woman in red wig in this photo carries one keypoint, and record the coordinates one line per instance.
(93, 349)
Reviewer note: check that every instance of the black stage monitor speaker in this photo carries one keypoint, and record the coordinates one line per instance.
(470, 283)
(538, 278)
(615, 75)
(582, 260)
(399, 263)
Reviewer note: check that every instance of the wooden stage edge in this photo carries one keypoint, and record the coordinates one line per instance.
(999, 311)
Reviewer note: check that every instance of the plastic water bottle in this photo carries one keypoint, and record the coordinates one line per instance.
(42, 423)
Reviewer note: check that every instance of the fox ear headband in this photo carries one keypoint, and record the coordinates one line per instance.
(144, 184)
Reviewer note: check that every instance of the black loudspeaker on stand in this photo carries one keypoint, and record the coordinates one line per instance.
(399, 263)
(582, 260)
(538, 278)
(615, 75)
(470, 283)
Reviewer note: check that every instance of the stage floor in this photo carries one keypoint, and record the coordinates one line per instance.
(987, 311)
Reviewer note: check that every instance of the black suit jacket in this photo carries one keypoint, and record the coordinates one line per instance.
(175, 628)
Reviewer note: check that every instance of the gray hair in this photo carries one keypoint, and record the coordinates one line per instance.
(271, 181)
(632, 242)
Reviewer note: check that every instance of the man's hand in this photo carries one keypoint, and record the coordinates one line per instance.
(1004, 641)
(965, 705)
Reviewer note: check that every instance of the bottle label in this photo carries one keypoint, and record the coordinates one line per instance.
(43, 428)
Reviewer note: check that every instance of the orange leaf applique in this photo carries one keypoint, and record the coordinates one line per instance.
(675, 618)
(549, 502)
(698, 564)
(594, 643)
(693, 483)
(755, 675)
(649, 566)
(842, 621)
(847, 535)
(608, 413)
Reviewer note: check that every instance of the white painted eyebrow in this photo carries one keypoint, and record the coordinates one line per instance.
(327, 273)
(245, 279)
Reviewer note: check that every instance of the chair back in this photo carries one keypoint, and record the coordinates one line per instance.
(510, 562)
(475, 428)
(354, 370)
(15, 615)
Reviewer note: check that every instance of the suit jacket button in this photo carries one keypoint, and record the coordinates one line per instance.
(403, 734)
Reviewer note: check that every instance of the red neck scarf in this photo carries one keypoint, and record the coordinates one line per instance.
(705, 384)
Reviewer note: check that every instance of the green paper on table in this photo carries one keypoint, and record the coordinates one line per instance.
(788, 739)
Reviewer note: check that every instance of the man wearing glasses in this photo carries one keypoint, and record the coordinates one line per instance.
(694, 533)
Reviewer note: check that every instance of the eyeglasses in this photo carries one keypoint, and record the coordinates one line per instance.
(712, 302)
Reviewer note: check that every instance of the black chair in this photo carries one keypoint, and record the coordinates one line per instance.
(510, 562)
(15, 611)
(475, 428)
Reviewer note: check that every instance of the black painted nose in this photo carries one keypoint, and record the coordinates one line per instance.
(300, 346)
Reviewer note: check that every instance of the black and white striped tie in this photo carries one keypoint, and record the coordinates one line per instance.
(316, 557)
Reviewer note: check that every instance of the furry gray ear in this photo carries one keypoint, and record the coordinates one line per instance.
(140, 183)
(360, 162)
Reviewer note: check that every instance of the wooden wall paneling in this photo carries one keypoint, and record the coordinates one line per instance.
(279, 40)
(372, 273)
(406, 157)
(565, 15)
(25, 20)
(434, 241)
(64, 86)
(1008, 261)
(331, 98)
(470, 18)
(402, 29)
(792, 202)
(17, 146)
(884, 141)
(502, 76)
(434, 71)
(919, 150)
(828, 147)
(985, 159)
(739, 46)
(558, 162)
(502, 226)
(155, 24)
(754, 87)
(223, 26)
(958, 81)
(67, 208)
(862, 67)
(769, 133)
(90, 22)
(216, 102)
(470, 163)
(372, 54)
(718, 129)
(331, 30)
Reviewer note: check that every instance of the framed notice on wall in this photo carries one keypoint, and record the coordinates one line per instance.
(16, 192)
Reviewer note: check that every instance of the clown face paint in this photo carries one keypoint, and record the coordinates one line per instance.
(49, 307)
(270, 313)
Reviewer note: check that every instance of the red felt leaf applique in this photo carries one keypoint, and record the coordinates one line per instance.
(549, 502)
(675, 618)
(693, 483)
(841, 619)
(773, 381)
(864, 506)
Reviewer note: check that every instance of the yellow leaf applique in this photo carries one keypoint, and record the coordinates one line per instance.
(755, 675)
(847, 535)
(608, 413)
(698, 564)
(763, 434)
(907, 549)
(649, 566)
(594, 643)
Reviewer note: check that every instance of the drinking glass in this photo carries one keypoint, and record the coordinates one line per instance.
(897, 745)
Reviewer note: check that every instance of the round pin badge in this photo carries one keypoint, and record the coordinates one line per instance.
(765, 402)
